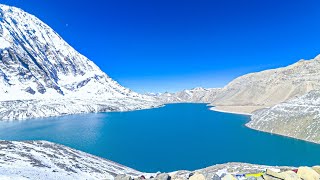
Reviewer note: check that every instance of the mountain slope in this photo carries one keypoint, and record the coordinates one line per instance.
(297, 118)
(46, 160)
(270, 87)
(37, 64)
(259, 90)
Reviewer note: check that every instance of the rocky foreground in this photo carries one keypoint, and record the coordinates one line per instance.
(237, 171)
(44, 160)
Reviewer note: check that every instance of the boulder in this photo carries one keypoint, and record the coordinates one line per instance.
(274, 174)
(307, 173)
(290, 175)
(162, 176)
(267, 177)
(122, 177)
(229, 177)
(197, 176)
(316, 168)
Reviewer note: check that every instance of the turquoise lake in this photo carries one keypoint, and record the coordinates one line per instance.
(173, 137)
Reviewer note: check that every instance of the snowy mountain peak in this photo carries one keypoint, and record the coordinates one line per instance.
(37, 63)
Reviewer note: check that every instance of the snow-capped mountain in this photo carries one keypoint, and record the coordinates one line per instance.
(38, 65)
(37, 62)
(199, 94)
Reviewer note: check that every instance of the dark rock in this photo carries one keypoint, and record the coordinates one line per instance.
(215, 177)
(41, 89)
(191, 174)
(30, 90)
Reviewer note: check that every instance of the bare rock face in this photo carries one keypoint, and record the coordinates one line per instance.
(37, 64)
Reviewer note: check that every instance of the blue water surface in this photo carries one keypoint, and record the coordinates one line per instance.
(177, 136)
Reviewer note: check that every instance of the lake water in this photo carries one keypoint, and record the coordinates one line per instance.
(177, 136)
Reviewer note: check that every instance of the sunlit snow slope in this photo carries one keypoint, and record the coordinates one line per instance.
(38, 65)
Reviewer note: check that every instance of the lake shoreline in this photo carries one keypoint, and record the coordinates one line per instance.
(188, 111)
(218, 109)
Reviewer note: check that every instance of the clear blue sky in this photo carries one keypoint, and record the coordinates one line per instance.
(169, 45)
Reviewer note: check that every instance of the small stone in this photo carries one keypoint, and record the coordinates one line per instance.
(197, 176)
(229, 177)
(307, 173)
(163, 176)
(122, 177)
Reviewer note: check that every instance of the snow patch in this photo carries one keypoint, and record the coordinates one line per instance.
(3, 43)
